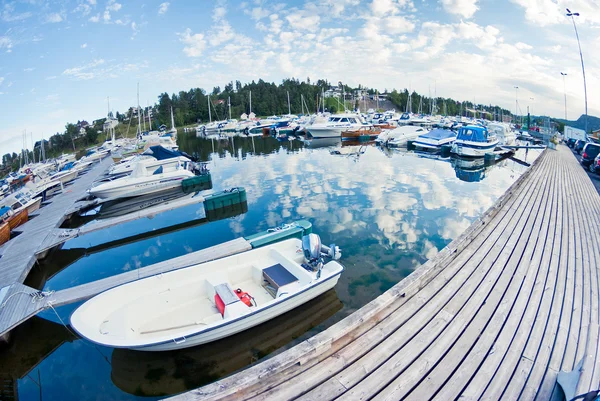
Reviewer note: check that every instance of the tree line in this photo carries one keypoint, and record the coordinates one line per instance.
(261, 97)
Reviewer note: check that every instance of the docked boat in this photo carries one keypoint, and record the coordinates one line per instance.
(146, 178)
(434, 139)
(400, 136)
(22, 199)
(334, 126)
(363, 132)
(4, 233)
(474, 141)
(505, 135)
(154, 156)
(209, 301)
(14, 219)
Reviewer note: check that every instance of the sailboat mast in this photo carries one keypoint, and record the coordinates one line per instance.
(229, 105)
(209, 115)
(323, 99)
(138, 110)
(289, 107)
(250, 104)
(149, 118)
(172, 119)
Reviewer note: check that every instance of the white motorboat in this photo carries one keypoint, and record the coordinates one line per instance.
(209, 301)
(474, 141)
(24, 198)
(335, 125)
(505, 135)
(434, 139)
(400, 136)
(154, 156)
(146, 178)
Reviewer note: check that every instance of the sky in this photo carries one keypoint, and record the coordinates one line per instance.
(61, 60)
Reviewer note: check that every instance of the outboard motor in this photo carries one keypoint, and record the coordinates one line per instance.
(314, 252)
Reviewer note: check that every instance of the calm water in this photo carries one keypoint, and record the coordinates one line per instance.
(388, 210)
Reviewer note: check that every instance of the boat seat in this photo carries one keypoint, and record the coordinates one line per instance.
(277, 276)
(228, 296)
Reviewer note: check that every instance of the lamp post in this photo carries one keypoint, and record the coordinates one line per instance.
(573, 15)
(516, 102)
(564, 74)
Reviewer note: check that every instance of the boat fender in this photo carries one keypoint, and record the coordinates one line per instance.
(244, 297)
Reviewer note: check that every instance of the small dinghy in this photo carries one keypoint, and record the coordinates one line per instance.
(212, 300)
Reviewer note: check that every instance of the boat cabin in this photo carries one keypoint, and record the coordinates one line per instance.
(473, 133)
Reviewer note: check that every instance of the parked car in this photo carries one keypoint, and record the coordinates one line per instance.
(571, 142)
(578, 147)
(589, 153)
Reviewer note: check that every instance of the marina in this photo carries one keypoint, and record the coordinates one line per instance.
(65, 289)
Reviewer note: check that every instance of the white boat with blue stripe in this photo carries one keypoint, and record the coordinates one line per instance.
(474, 141)
(209, 301)
(434, 139)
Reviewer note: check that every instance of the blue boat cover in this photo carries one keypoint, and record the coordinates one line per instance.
(438, 134)
(162, 153)
(4, 210)
(473, 133)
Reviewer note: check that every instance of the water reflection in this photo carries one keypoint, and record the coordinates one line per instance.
(389, 210)
(165, 373)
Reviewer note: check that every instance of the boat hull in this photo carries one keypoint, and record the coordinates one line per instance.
(472, 149)
(144, 188)
(431, 145)
(17, 219)
(4, 233)
(325, 132)
(34, 206)
(249, 321)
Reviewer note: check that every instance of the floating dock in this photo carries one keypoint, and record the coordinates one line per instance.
(497, 314)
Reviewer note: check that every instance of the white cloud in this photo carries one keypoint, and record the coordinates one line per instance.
(194, 43)
(106, 16)
(1, 80)
(523, 46)
(84, 72)
(8, 15)
(83, 8)
(95, 18)
(397, 24)
(464, 8)
(258, 13)
(112, 5)
(54, 18)
(220, 34)
(29, 69)
(219, 13)
(6, 43)
(83, 46)
(135, 30)
(163, 8)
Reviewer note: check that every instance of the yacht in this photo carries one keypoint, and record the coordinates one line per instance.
(155, 154)
(146, 178)
(400, 136)
(474, 141)
(335, 125)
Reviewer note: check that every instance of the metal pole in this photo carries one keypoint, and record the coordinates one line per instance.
(573, 15)
(565, 91)
(516, 102)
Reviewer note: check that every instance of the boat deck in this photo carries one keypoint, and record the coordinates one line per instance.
(497, 314)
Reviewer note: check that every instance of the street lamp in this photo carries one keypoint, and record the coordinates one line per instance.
(564, 74)
(573, 15)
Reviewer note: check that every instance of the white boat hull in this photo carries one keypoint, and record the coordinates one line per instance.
(248, 321)
(127, 187)
(473, 149)
(428, 144)
(325, 132)
(181, 309)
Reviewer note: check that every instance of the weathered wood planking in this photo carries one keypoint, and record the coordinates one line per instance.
(19, 254)
(495, 315)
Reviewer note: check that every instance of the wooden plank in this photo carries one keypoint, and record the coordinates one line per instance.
(472, 319)
(484, 357)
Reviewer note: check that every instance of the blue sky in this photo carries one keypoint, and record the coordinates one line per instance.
(60, 60)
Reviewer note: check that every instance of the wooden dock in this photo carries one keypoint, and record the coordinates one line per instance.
(497, 314)
(20, 253)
